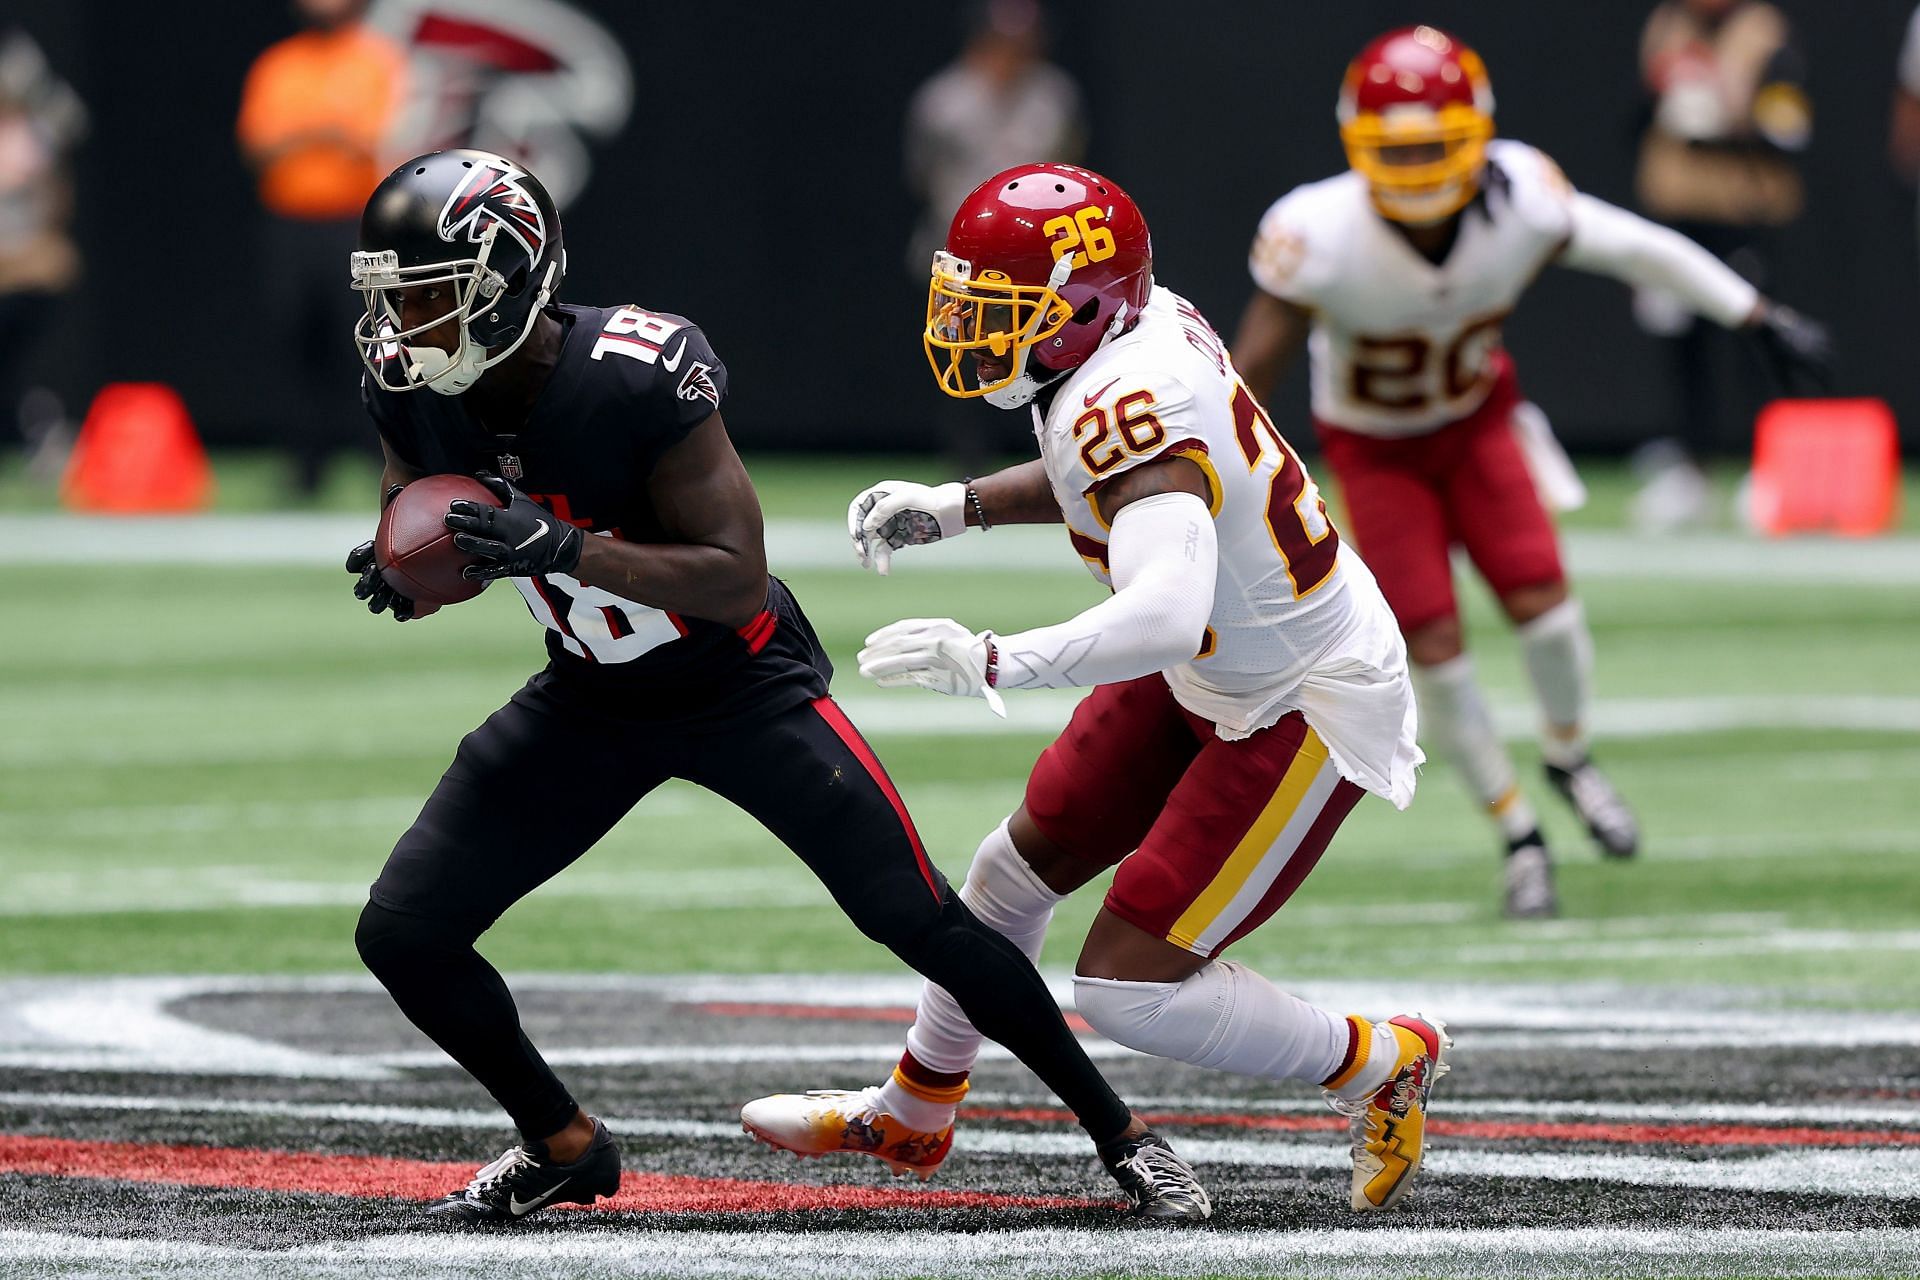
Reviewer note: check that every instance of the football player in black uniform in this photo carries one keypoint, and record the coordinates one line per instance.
(633, 532)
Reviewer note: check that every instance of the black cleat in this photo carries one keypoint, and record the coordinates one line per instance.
(1158, 1183)
(523, 1180)
(1599, 805)
(1530, 892)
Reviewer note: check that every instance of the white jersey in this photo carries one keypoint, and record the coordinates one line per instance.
(1400, 345)
(1298, 622)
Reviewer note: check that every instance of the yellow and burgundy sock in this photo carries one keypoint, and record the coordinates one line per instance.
(1372, 1053)
(922, 1098)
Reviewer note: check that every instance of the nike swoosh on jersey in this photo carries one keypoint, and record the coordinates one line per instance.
(533, 537)
(674, 363)
(517, 1206)
(1088, 400)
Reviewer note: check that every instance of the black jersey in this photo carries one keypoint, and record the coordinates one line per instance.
(629, 385)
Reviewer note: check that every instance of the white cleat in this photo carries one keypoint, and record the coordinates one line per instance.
(824, 1122)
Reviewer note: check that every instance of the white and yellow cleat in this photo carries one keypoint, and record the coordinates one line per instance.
(824, 1122)
(1389, 1125)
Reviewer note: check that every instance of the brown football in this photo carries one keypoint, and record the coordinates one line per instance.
(414, 548)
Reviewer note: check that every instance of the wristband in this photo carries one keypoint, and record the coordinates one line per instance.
(993, 661)
(973, 500)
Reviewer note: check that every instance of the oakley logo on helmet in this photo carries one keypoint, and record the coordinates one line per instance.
(493, 196)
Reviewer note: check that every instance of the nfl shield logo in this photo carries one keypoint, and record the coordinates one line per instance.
(510, 468)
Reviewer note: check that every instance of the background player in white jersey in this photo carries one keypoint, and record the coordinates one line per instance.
(1250, 683)
(1403, 270)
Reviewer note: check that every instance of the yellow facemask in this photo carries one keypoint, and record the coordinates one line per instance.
(1421, 165)
(987, 315)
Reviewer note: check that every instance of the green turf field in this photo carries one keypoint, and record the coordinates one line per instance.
(204, 766)
(209, 748)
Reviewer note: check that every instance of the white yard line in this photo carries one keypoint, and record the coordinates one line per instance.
(1627, 719)
(195, 817)
(1880, 1113)
(821, 545)
(1334, 1254)
(911, 713)
(97, 890)
(1783, 844)
(127, 1023)
(1772, 942)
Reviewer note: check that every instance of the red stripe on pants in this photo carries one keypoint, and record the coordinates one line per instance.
(842, 727)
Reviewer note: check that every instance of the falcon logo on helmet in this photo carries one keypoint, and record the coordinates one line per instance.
(1416, 114)
(494, 196)
(1044, 264)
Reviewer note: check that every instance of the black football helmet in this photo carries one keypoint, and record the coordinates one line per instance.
(480, 227)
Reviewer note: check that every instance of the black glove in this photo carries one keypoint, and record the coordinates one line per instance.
(519, 540)
(1793, 342)
(374, 590)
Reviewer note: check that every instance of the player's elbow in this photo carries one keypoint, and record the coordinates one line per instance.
(743, 597)
(1175, 620)
(1189, 632)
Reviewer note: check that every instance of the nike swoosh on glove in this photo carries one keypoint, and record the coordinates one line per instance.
(933, 653)
(899, 513)
(519, 539)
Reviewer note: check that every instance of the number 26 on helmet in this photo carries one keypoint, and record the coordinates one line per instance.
(1043, 265)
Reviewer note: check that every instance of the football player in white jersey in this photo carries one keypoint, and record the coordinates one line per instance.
(1397, 275)
(1249, 683)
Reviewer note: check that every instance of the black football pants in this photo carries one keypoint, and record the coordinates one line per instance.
(542, 780)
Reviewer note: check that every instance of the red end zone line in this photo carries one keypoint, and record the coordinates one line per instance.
(1686, 1135)
(378, 1177)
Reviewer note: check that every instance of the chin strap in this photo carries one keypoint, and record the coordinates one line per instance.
(471, 367)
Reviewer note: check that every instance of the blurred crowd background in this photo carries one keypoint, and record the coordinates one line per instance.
(179, 185)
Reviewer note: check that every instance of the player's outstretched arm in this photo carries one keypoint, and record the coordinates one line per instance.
(1611, 241)
(1165, 558)
(1020, 494)
(885, 517)
(1272, 331)
(1608, 240)
(715, 566)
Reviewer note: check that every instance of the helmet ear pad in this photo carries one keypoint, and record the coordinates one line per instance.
(501, 321)
(1083, 333)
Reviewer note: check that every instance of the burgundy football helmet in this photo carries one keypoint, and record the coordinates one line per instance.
(1043, 264)
(1416, 113)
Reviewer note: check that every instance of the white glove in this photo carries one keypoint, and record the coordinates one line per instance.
(900, 513)
(933, 653)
